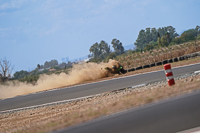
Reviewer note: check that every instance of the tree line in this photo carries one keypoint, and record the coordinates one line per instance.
(48, 64)
(147, 39)
(101, 51)
(188, 35)
(155, 38)
(33, 75)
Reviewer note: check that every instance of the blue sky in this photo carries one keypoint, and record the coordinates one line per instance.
(35, 31)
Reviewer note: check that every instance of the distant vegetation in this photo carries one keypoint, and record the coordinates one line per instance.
(102, 52)
(148, 40)
(152, 37)
(49, 67)
(163, 37)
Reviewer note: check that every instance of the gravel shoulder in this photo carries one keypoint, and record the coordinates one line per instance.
(48, 118)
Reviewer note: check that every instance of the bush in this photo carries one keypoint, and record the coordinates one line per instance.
(30, 79)
(198, 37)
(110, 56)
(21, 74)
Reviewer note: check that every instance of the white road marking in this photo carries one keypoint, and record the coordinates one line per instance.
(193, 130)
(197, 72)
(82, 85)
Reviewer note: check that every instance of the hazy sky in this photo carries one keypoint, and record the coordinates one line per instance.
(35, 31)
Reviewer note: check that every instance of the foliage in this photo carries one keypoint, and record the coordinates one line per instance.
(118, 48)
(95, 60)
(100, 51)
(159, 42)
(110, 56)
(149, 47)
(176, 40)
(130, 51)
(148, 35)
(198, 37)
(50, 64)
(186, 36)
(164, 41)
(38, 66)
(20, 74)
(140, 42)
(30, 79)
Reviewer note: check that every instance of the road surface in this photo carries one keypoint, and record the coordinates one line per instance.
(90, 89)
(167, 116)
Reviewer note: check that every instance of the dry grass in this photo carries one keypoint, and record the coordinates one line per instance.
(58, 116)
(158, 55)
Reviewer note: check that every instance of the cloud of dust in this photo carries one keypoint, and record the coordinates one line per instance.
(78, 74)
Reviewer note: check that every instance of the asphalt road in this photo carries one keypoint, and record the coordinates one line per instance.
(90, 89)
(168, 116)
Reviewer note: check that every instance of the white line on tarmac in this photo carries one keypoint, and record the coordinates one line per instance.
(59, 102)
(193, 130)
(197, 72)
(104, 80)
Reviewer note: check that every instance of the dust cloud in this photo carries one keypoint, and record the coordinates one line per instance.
(79, 73)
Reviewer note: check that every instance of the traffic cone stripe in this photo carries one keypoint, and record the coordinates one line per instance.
(170, 77)
(169, 74)
(168, 71)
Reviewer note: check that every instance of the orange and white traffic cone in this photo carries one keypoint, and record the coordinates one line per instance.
(169, 74)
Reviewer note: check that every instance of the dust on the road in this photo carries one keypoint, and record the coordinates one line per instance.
(79, 73)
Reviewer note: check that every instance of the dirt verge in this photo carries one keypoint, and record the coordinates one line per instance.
(50, 118)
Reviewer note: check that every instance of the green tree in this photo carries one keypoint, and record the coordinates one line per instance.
(188, 35)
(110, 56)
(140, 42)
(167, 35)
(51, 63)
(164, 41)
(145, 37)
(154, 34)
(41, 66)
(38, 66)
(162, 31)
(171, 30)
(176, 40)
(100, 50)
(198, 30)
(94, 49)
(20, 74)
(104, 49)
(148, 35)
(148, 47)
(46, 64)
(159, 41)
(117, 45)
